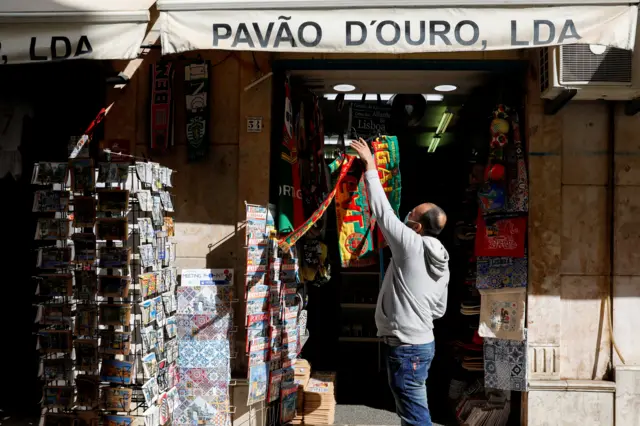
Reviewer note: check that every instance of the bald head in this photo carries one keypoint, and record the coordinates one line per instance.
(431, 219)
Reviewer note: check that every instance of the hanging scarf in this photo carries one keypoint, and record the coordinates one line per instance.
(290, 212)
(161, 106)
(387, 156)
(519, 182)
(290, 240)
(196, 85)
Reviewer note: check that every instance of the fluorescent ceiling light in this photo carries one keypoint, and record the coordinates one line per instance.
(444, 123)
(435, 141)
(433, 97)
(344, 87)
(445, 88)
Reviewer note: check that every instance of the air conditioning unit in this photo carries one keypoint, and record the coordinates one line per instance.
(595, 72)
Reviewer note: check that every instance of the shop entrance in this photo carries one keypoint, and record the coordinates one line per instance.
(440, 114)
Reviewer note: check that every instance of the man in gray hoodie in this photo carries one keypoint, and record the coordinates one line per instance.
(413, 294)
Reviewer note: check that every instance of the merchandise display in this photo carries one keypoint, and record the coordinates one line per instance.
(104, 331)
(196, 84)
(273, 313)
(203, 325)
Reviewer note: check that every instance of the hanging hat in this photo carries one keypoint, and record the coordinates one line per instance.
(408, 110)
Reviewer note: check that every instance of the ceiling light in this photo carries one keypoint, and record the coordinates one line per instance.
(344, 87)
(433, 97)
(597, 49)
(445, 88)
(330, 96)
(444, 123)
(435, 141)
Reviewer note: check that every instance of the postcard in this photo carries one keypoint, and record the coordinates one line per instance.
(114, 342)
(82, 175)
(163, 375)
(167, 203)
(156, 211)
(289, 396)
(84, 247)
(148, 308)
(145, 200)
(47, 201)
(55, 341)
(150, 391)
(53, 257)
(160, 340)
(169, 226)
(113, 173)
(116, 399)
(111, 420)
(58, 396)
(84, 212)
(86, 351)
(148, 284)
(115, 201)
(112, 229)
(114, 257)
(114, 314)
(147, 255)
(149, 339)
(115, 371)
(171, 351)
(53, 229)
(171, 327)
(258, 383)
(146, 231)
(150, 365)
(170, 302)
(113, 286)
(86, 320)
(86, 284)
(88, 394)
(56, 369)
(275, 379)
(46, 173)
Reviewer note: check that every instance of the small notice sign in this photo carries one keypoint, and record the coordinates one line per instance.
(254, 124)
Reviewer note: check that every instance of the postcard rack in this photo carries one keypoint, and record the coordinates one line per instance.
(106, 292)
(272, 318)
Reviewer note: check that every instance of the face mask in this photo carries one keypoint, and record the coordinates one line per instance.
(406, 219)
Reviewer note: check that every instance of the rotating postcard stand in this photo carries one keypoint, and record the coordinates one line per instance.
(106, 291)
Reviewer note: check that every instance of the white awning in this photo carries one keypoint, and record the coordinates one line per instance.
(46, 30)
(384, 26)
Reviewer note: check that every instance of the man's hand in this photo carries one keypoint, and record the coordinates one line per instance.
(364, 153)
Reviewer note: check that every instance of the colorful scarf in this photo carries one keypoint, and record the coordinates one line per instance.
(387, 156)
(161, 106)
(290, 240)
(196, 85)
(290, 212)
(518, 184)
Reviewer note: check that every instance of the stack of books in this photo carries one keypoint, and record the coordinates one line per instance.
(319, 399)
(302, 373)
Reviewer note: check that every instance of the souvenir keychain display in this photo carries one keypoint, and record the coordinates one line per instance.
(106, 287)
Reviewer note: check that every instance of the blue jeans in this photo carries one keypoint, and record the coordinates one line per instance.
(408, 368)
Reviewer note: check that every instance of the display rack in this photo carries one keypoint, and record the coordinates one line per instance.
(106, 290)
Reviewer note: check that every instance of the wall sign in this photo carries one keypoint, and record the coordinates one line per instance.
(398, 30)
(254, 124)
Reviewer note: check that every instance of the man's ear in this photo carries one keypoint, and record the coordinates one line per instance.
(418, 228)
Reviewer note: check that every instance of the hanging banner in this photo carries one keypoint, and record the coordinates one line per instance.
(33, 43)
(398, 30)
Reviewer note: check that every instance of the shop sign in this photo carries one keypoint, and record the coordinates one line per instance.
(32, 43)
(398, 30)
(204, 277)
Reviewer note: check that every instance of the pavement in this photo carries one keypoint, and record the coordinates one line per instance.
(362, 415)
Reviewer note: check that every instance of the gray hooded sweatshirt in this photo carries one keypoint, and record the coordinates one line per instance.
(414, 290)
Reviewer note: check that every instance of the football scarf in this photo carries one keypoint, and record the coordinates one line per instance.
(290, 240)
(161, 106)
(196, 88)
(387, 156)
(290, 211)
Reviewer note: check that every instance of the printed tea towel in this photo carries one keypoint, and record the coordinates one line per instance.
(502, 313)
(501, 272)
(505, 364)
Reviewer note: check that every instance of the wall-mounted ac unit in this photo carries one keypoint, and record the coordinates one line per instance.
(595, 72)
